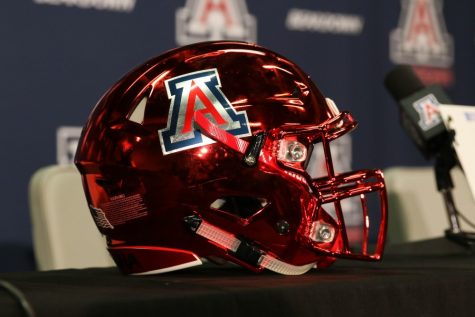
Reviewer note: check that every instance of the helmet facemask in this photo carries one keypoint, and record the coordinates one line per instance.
(288, 150)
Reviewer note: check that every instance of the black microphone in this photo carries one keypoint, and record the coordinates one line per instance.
(418, 108)
(420, 117)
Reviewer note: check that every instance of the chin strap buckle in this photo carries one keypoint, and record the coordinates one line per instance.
(243, 249)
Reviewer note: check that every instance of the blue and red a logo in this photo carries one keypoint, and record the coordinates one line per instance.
(428, 111)
(422, 37)
(198, 91)
(211, 20)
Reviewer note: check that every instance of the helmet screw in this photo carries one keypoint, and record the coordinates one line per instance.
(282, 227)
(250, 160)
(324, 233)
(296, 151)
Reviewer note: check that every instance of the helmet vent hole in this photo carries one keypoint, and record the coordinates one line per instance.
(138, 114)
(240, 206)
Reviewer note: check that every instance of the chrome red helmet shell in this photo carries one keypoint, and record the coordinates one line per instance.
(168, 188)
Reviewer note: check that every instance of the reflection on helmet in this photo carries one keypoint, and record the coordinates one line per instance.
(204, 152)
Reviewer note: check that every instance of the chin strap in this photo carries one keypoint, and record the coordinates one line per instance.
(251, 150)
(216, 133)
(242, 249)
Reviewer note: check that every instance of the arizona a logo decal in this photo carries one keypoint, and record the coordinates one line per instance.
(198, 91)
(428, 110)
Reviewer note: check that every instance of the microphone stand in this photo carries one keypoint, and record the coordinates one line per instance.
(445, 160)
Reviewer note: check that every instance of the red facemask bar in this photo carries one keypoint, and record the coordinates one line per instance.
(362, 238)
(288, 148)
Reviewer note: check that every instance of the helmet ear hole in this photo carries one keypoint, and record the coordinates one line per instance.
(240, 206)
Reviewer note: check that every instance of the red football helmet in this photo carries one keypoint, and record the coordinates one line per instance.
(204, 152)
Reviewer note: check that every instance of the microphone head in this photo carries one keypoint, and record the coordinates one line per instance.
(402, 82)
(418, 109)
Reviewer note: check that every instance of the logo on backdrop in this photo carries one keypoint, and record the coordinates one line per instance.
(198, 91)
(104, 5)
(324, 22)
(207, 20)
(67, 139)
(421, 39)
(428, 110)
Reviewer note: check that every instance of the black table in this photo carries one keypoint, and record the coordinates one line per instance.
(431, 278)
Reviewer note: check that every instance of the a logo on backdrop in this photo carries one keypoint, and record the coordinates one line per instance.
(324, 22)
(207, 20)
(105, 5)
(428, 110)
(421, 39)
(198, 91)
(67, 139)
